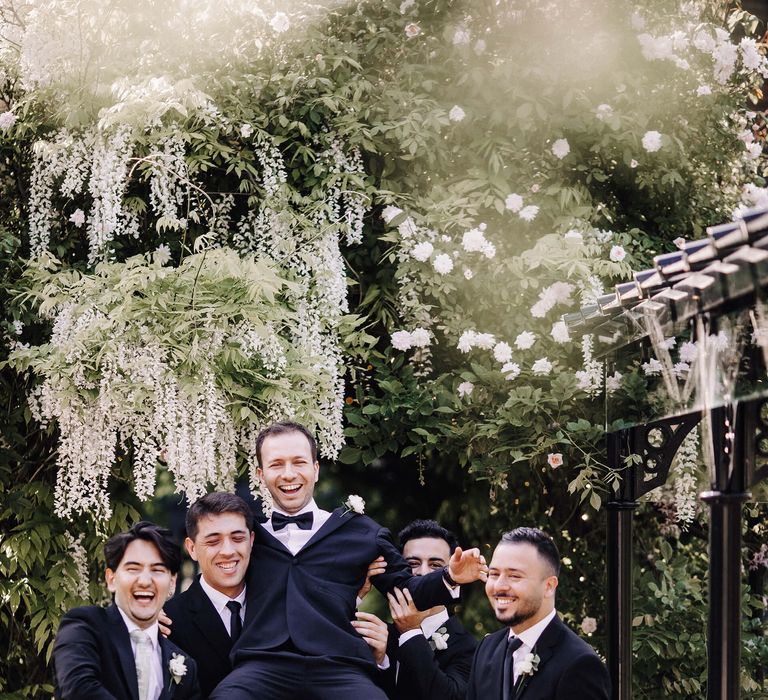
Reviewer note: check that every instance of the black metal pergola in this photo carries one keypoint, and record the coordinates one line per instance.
(710, 292)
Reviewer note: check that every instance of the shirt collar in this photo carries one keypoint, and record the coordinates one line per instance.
(431, 624)
(218, 598)
(152, 631)
(530, 636)
(311, 507)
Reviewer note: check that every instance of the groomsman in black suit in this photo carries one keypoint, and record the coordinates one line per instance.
(429, 653)
(208, 617)
(307, 567)
(116, 653)
(535, 657)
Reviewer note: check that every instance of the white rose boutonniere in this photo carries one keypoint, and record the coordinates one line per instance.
(354, 504)
(177, 667)
(439, 639)
(528, 666)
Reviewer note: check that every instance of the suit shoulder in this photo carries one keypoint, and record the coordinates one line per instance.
(87, 613)
(494, 638)
(180, 601)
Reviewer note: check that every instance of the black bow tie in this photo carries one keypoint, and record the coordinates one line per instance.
(303, 521)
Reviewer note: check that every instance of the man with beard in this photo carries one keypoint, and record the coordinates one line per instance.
(535, 657)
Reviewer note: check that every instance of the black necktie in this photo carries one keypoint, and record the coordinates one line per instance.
(235, 623)
(303, 521)
(508, 682)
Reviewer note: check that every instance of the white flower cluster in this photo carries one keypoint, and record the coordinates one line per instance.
(474, 241)
(405, 340)
(549, 297)
(590, 379)
(78, 585)
(169, 183)
(684, 477)
(349, 206)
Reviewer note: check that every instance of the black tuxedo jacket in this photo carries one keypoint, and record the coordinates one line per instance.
(93, 659)
(425, 674)
(309, 600)
(198, 630)
(569, 669)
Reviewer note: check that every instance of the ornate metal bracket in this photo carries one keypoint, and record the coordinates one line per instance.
(656, 444)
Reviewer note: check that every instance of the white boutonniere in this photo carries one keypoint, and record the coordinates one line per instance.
(354, 504)
(177, 667)
(439, 639)
(528, 666)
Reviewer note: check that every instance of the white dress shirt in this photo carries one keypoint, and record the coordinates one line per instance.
(429, 626)
(529, 639)
(220, 601)
(156, 677)
(293, 537)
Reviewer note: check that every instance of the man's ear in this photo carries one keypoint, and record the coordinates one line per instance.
(172, 587)
(551, 584)
(253, 536)
(317, 471)
(190, 547)
(109, 576)
(260, 473)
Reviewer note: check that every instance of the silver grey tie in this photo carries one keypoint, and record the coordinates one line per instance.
(143, 661)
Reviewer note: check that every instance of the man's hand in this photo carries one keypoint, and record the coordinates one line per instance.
(376, 567)
(466, 566)
(374, 632)
(405, 614)
(164, 622)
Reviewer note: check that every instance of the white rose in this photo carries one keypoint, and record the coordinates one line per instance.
(443, 264)
(280, 22)
(541, 367)
(651, 141)
(617, 253)
(588, 625)
(465, 389)
(402, 340)
(422, 251)
(456, 114)
(420, 337)
(502, 352)
(513, 202)
(525, 340)
(561, 148)
(528, 213)
(511, 371)
(356, 503)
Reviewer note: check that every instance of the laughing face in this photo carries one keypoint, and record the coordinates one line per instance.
(222, 548)
(520, 586)
(141, 583)
(288, 470)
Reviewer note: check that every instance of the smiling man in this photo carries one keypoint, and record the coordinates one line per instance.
(208, 616)
(307, 567)
(535, 657)
(116, 653)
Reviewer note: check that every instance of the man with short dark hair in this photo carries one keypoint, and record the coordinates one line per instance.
(429, 652)
(116, 653)
(306, 570)
(207, 618)
(535, 656)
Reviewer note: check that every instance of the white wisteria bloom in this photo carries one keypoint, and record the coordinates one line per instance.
(703, 90)
(560, 332)
(280, 23)
(617, 253)
(162, 255)
(412, 29)
(402, 340)
(407, 229)
(561, 148)
(465, 389)
(755, 150)
(7, 120)
(604, 111)
(525, 340)
(514, 202)
(502, 352)
(422, 251)
(613, 383)
(529, 213)
(442, 264)
(725, 55)
(456, 114)
(541, 367)
(511, 371)
(77, 217)
(461, 36)
(651, 141)
(556, 293)
(390, 212)
(689, 351)
(246, 131)
(750, 54)
(420, 337)
(652, 367)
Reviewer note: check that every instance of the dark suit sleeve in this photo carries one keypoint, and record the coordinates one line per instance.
(418, 662)
(427, 591)
(76, 660)
(586, 678)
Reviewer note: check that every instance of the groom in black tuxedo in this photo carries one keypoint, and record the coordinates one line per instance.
(306, 569)
(535, 657)
(116, 653)
(207, 618)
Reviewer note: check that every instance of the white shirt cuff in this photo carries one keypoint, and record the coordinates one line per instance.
(454, 590)
(410, 634)
(384, 665)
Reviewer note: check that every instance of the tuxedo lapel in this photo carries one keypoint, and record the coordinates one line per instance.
(206, 620)
(544, 649)
(266, 538)
(168, 685)
(338, 518)
(122, 643)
